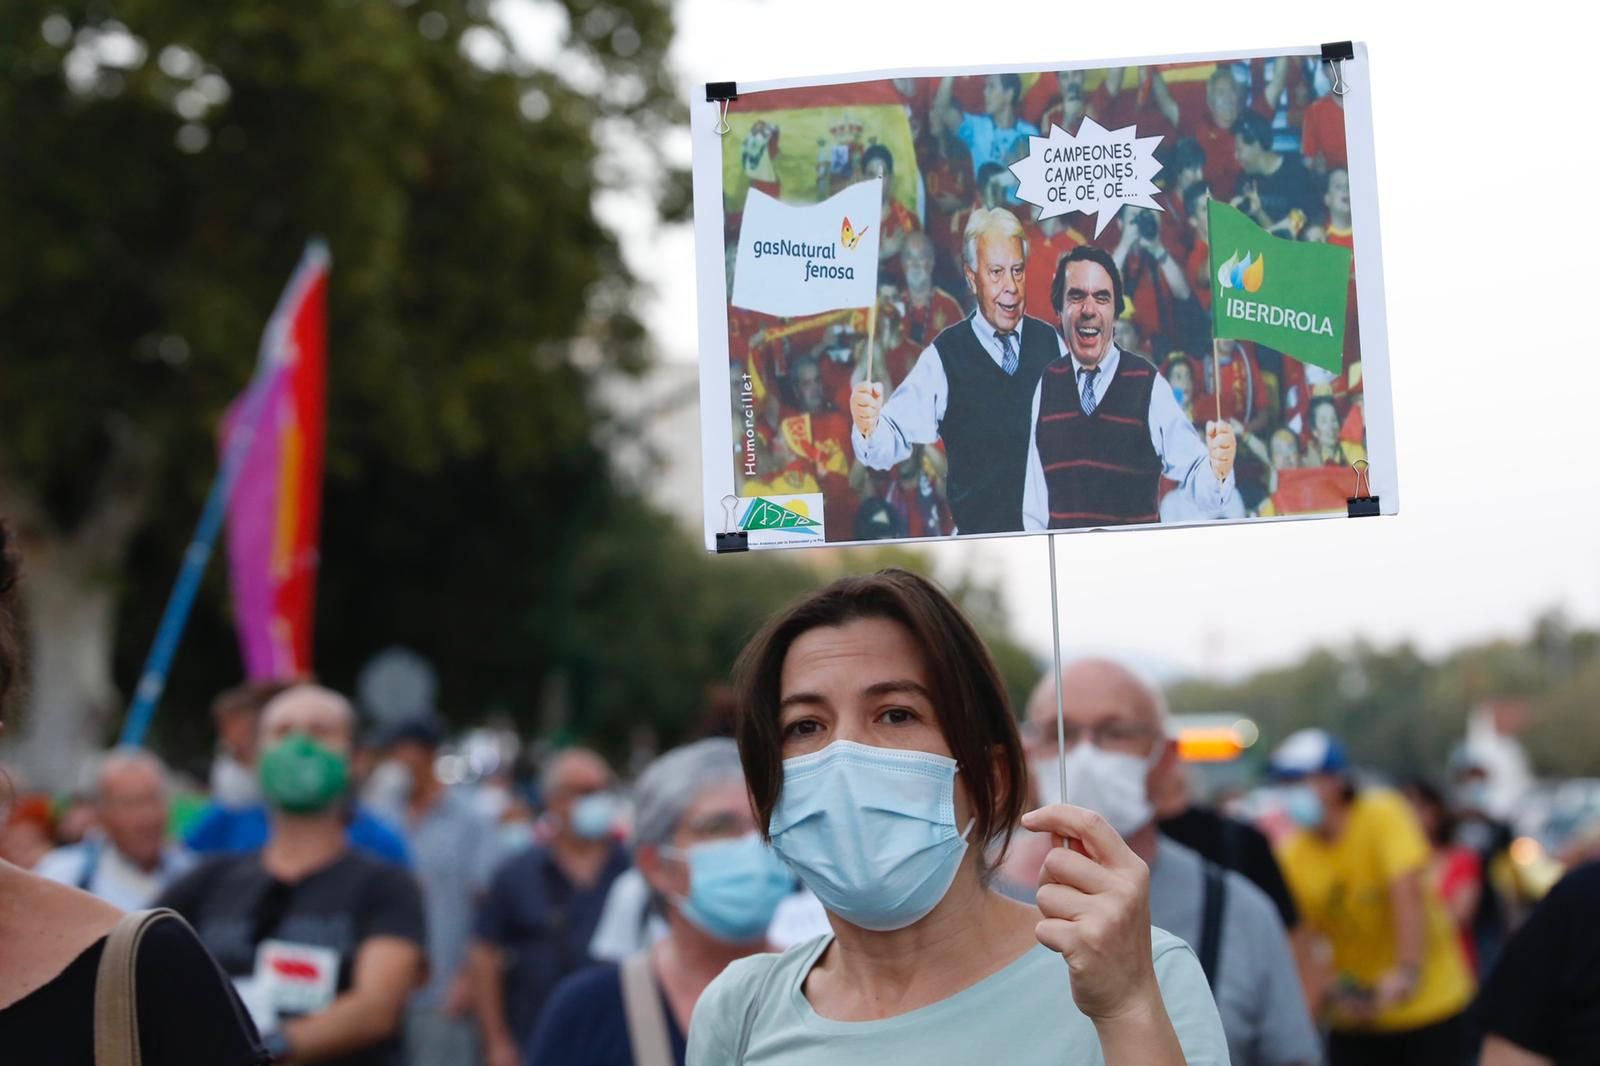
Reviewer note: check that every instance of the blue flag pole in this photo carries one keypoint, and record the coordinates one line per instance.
(153, 678)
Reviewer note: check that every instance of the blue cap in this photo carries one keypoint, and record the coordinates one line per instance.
(1309, 751)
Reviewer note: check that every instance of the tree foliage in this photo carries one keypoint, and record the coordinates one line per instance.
(163, 165)
(165, 162)
(1401, 713)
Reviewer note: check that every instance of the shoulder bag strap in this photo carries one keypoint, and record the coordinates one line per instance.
(751, 1010)
(1216, 897)
(116, 999)
(647, 1018)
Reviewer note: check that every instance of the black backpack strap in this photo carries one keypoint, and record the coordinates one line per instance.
(1213, 902)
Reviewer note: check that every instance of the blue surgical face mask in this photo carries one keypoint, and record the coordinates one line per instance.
(871, 831)
(1472, 796)
(734, 886)
(594, 815)
(1303, 806)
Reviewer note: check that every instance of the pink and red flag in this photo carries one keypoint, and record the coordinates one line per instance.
(276, 506)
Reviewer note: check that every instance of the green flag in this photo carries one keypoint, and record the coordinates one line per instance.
(1288, 295)
(764, 514)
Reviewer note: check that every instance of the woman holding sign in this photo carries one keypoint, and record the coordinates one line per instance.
(883, 760)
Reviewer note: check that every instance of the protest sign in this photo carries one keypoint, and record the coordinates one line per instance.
(1004, 301)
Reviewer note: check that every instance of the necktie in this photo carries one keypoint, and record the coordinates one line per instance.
(1086, 392)
(1009, 358)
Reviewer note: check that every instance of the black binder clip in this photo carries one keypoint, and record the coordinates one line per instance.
(721, 93)
(735, 540)
(1333, 54)
(1363, 504)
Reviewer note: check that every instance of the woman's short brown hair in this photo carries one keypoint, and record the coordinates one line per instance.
(10, 652)
(968, 697)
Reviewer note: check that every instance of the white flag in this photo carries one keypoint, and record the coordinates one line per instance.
(799, 260)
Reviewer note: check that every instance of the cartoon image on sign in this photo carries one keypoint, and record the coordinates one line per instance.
(1097, 171)
(849, 235)
(1021, 301)
(1246, 273)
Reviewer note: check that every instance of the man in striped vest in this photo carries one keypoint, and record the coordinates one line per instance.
(1106, 425)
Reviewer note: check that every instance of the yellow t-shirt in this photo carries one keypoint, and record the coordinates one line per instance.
(1342, 890)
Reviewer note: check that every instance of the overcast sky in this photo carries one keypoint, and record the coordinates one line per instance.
(1485, 155)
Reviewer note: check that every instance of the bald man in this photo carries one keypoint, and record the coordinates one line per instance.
(129, 860)
(536, 923)
(236, 819)
(1117, 749)
(324, 941)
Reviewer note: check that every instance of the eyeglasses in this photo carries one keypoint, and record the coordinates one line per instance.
(718, 826)
(1124, 737)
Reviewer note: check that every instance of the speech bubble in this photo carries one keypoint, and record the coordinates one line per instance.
(1095, 172)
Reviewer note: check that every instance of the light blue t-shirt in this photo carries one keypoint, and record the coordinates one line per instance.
(989, 143)
(1023, 1015)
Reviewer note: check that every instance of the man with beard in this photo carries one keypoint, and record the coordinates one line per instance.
(971, 387)
(1106, 426)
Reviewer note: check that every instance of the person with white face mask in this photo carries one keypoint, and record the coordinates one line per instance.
(455, 851)
(883, 760)
(540, 913)
(715, 885)
(1117, 748)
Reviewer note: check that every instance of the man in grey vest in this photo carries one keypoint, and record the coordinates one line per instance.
(1105, 426)
(972, 387)
(1117, 745)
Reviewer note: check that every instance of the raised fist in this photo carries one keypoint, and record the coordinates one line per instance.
(866, 404)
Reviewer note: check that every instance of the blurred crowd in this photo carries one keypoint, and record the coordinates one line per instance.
(1265, 135)
(392, 917)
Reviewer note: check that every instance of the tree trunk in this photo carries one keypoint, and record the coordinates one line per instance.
(69, 610)
(70, 607)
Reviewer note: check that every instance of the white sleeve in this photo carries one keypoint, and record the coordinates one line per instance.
(911, 415)
(620, 929)
(63, 865)
(1035, 493)
(1184, 458)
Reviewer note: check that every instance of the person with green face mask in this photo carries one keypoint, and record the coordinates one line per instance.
(323, 941)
